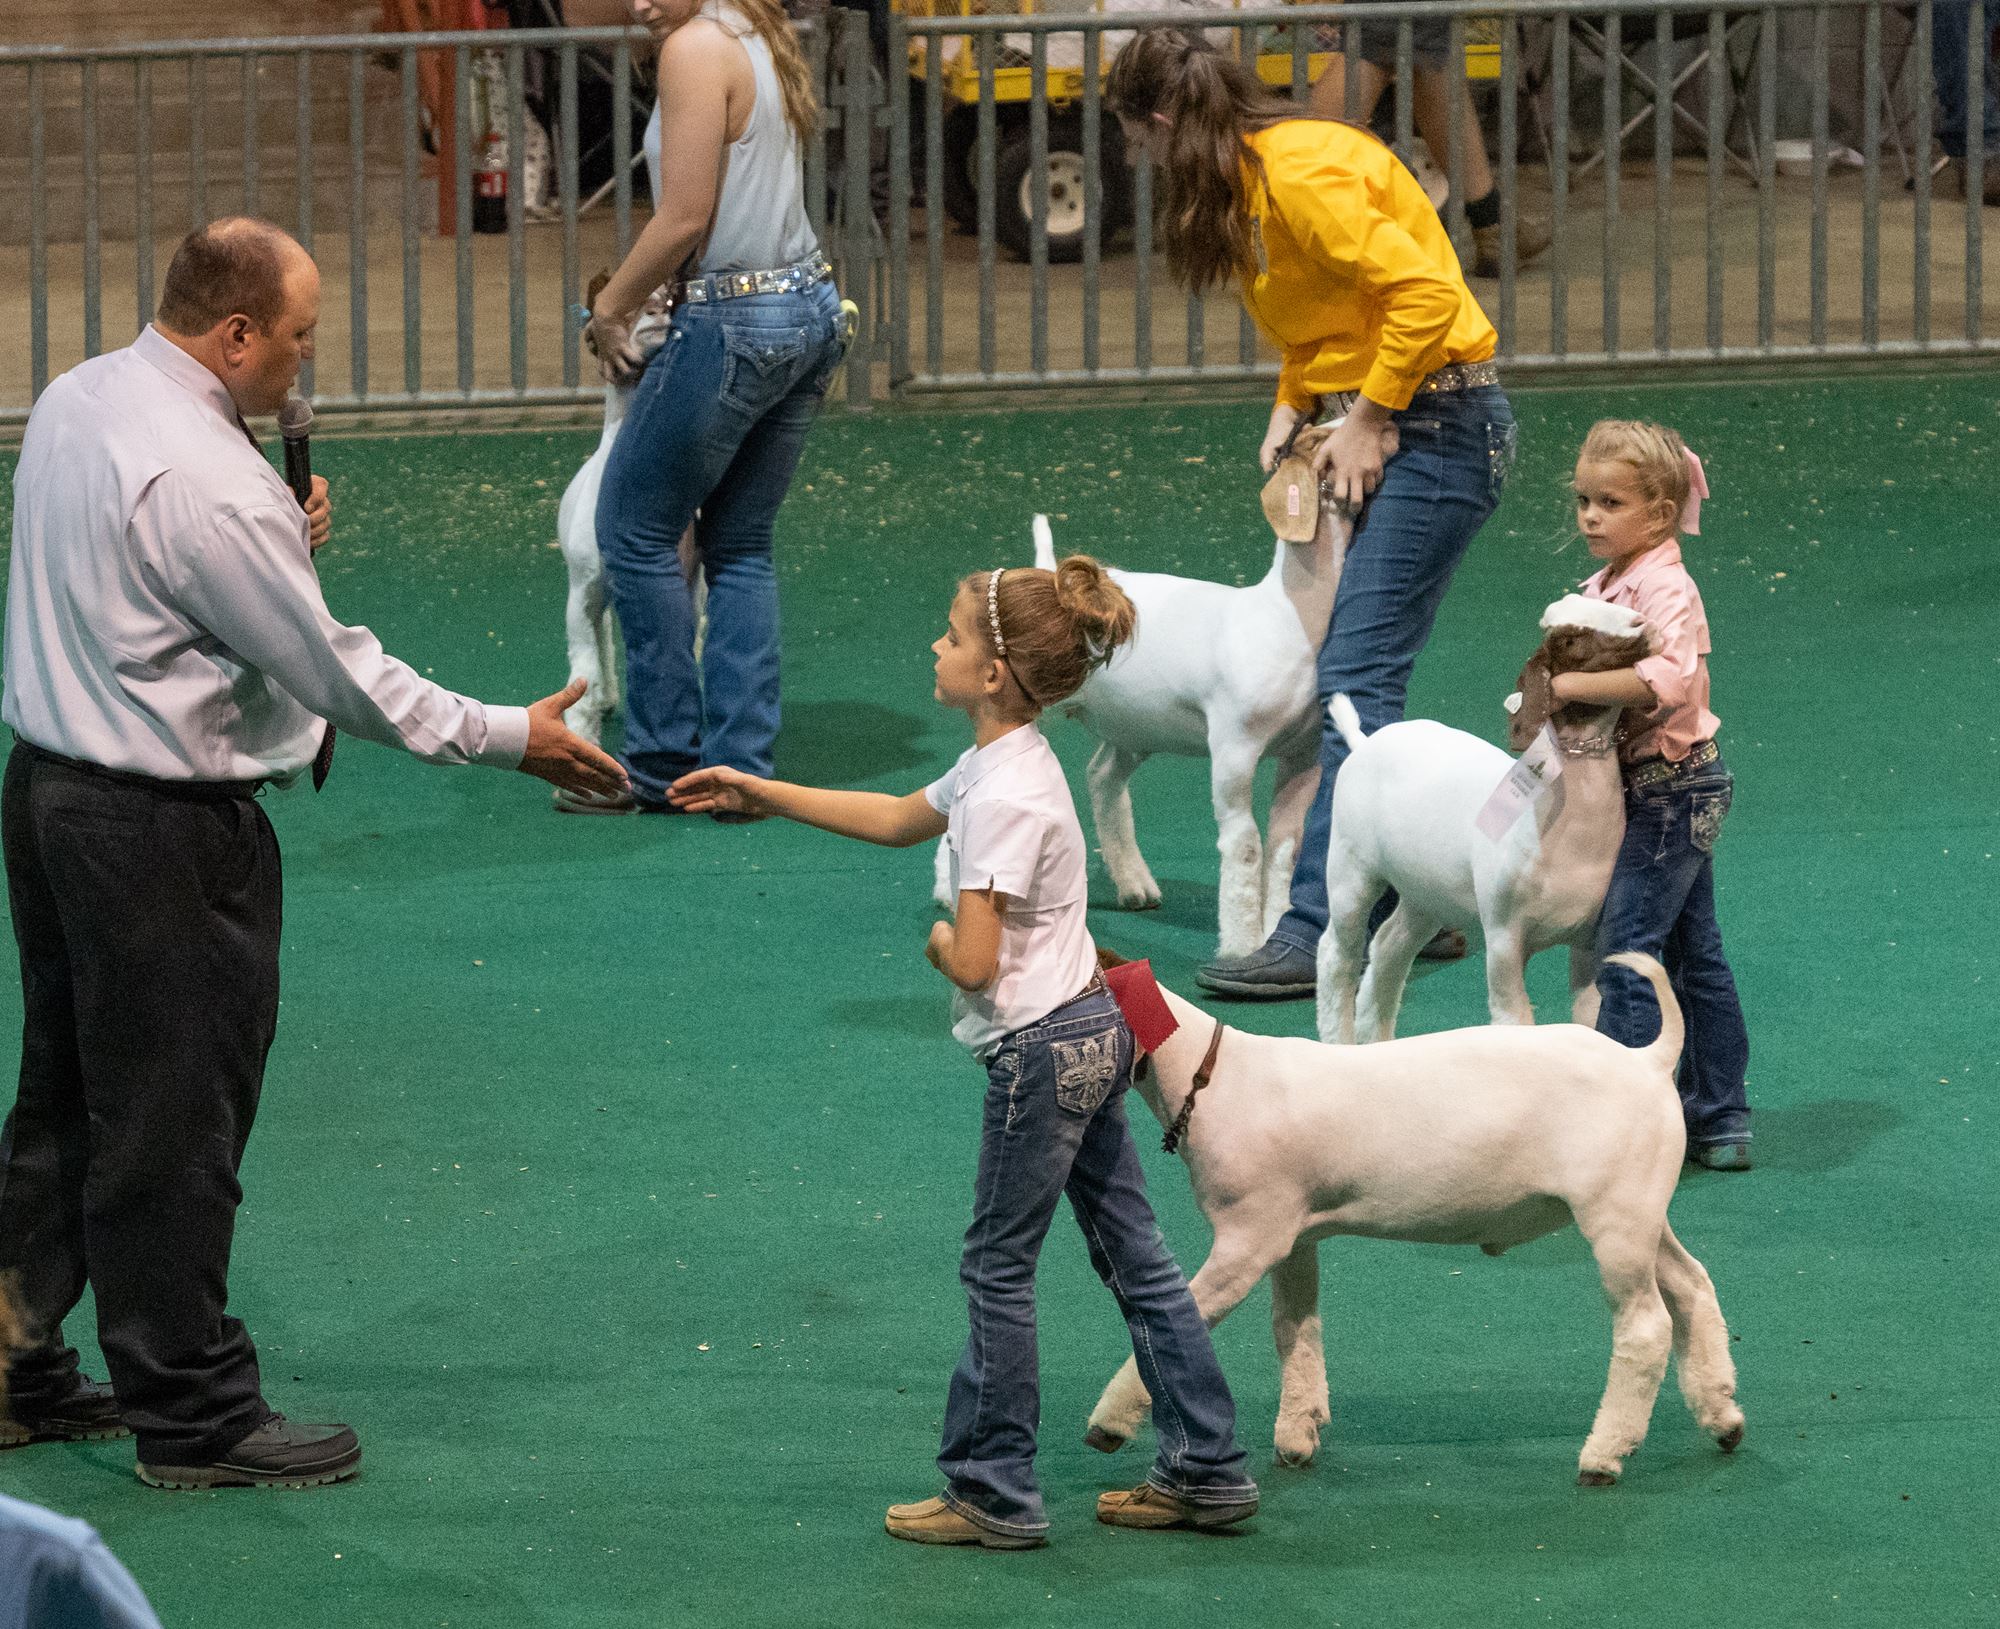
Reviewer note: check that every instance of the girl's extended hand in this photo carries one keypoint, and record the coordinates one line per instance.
(1351, 459)
(719, 790)
(610, 339)
(938, 946)
(1283, 417)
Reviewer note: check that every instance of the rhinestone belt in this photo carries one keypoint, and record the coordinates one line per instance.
(815, 268)
(1458, 376)
(1652, 771)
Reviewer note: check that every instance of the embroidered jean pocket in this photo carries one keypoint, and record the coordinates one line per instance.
(1086, 1068)
(1706, 810)
(760, 365)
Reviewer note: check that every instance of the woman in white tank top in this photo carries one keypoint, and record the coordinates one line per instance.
(720, 413)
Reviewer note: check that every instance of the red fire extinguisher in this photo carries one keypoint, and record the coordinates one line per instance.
(487, 139)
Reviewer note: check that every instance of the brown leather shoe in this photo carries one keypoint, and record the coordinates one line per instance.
(1531, 238)
(1152, 1509)
(932, 1521)
(88, 1414)
(280, 1453)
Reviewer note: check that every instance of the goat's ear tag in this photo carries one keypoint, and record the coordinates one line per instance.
(1512, 703)
(1291, 499)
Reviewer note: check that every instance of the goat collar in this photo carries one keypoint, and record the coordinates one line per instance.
(1178, 1129)
(1588, 746)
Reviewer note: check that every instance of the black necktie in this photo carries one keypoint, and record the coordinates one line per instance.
(322, 759)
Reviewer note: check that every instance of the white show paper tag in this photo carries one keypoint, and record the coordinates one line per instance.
(1533, 774)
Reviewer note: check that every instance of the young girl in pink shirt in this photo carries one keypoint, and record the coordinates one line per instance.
(1637, 488)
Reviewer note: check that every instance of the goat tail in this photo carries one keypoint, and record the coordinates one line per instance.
(1346, 720)
(1666, 1048)
(1045, 544)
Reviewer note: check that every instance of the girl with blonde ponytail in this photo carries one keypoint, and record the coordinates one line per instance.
(1030, 1005)
(1347, 270)
(719, 414)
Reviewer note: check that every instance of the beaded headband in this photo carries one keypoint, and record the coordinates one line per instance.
(1000, 639)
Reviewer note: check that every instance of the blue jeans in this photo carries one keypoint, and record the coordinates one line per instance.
(1951, 24)
(1662, 901)
(1455, 450)
(717, 423)
(1055, 1123)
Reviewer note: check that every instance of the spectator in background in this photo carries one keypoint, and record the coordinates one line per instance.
(1344, 266)
(1951, 67)
(1434, 82)
(720, 413)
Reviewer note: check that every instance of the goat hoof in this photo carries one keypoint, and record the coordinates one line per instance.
(1297, 1458)
(1731, 1440)
(1596, 1479)
(1105, 1442)
(1136, 901)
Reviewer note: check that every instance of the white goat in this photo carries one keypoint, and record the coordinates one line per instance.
(1407, 814)
(1490, 1136)
(1222, 671)
(589, 621)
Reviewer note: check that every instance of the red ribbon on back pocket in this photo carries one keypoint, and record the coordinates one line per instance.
(1138, 996)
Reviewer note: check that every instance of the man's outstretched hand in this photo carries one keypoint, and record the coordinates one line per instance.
(560, 757)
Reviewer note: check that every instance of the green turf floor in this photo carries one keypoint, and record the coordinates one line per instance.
(610, 1173)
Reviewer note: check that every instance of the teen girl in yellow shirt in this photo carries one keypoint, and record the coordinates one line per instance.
(1346, 269)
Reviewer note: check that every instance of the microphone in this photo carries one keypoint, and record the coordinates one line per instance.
(295, 422)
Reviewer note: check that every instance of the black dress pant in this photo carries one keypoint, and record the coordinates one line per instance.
(147, 915)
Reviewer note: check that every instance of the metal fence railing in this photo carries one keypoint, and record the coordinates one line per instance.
(1722, 182)
(367, 148)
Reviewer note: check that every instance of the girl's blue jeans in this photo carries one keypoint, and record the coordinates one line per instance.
(1662, 901)
(1054, 1124)
(717, 423)
(1455, 448)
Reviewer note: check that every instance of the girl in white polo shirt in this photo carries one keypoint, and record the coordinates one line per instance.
(1058, 1058)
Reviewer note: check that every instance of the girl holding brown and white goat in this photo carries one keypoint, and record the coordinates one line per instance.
(1638, 486)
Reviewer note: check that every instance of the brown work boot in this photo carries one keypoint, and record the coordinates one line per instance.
(1531, 238)
(1153, 1509)
(932, 1521)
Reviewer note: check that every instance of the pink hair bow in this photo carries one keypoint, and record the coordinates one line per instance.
(1697, 490)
